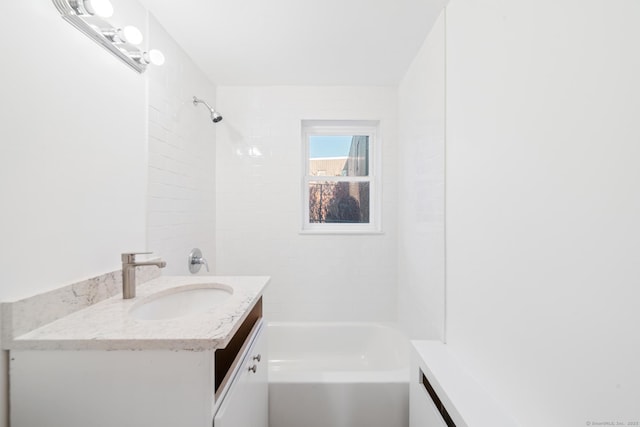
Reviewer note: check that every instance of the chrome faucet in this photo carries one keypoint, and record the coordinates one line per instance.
(129, 265)
(196, 260)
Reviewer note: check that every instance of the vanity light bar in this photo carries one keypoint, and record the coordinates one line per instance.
(88, 17)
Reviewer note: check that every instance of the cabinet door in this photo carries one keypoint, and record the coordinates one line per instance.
(246, 402)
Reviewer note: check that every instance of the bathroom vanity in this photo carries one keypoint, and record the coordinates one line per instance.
(130, 363)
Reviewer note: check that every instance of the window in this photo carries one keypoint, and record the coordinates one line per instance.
(340, 186)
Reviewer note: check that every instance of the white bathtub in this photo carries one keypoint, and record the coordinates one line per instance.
(338, 375)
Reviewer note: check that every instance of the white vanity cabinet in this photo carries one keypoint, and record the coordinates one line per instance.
(246, 402)
(139, 388)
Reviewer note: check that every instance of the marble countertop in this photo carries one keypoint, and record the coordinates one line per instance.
(108, 325)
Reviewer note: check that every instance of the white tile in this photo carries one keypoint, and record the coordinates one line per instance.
(180, 186)
(259, 205)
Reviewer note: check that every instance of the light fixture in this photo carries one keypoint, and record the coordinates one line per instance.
(88, 17)
(131, 34)
(154, 57)
(128, 34)
(102, 8)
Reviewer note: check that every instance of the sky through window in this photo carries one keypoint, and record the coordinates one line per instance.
(329, 146)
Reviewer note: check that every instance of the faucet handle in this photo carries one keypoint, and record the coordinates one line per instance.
(206, 264)
(196, 260)
(129, 257)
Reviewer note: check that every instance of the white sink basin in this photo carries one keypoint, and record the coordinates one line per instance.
(183, 301)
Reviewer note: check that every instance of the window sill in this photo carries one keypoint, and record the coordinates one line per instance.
(343, 232)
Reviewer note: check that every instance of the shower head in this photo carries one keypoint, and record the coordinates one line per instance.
(215, 116)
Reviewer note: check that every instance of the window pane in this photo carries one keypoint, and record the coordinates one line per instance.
(333, 155)
(338, 202)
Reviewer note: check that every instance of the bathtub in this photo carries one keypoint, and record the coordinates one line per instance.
(338, 375)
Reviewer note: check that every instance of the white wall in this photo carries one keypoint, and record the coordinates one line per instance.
(314, 277)
(72, 175)
(543, 201)
(74, 138)
(182, 144)
(421, 190)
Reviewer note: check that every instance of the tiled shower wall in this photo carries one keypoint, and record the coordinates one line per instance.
(182, 140)
(259, 205)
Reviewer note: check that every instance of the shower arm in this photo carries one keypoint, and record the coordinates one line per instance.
(197, 101)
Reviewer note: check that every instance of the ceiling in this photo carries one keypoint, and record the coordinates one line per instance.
(299, 42)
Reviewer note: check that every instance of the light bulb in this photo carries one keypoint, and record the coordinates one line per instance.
(102, 8)
(130, 34)
(155, 57)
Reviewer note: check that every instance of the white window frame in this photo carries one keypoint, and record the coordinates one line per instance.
(368, 128)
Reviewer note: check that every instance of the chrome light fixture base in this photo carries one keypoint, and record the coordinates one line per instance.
(101, 31)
